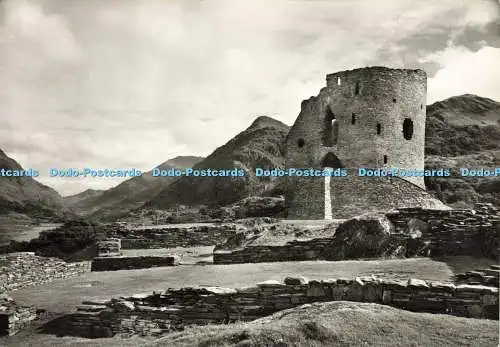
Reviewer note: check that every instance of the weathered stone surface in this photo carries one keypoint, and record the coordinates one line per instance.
(13, 317)
(25, 269)
(362, 237)
(437, 233)
(151, 237)
(292, 281)
(156, 314)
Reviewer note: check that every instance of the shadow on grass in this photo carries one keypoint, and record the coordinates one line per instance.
(461, 264)
(62, 326)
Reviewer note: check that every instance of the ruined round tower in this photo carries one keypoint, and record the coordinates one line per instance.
(371, 117)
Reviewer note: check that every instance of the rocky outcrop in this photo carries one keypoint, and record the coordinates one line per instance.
(173, 309)
(367, 236)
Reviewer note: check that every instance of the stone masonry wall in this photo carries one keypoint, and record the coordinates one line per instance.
(455, 232)
(109, 248)
(13, 317)
(378, 117)
(170, 310)
(24, 269)
(173, 237)
(448, 232)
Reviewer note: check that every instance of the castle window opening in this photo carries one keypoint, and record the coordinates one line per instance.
(385, 159)
(421, 106)
(379, 128)
(335, 131)
(394, 100)
(353, 118)
(408, 129)
(356, 91)
(330, 129)
(301, 143)
(338, 81)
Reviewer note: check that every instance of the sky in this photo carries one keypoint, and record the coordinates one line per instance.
(131, 84)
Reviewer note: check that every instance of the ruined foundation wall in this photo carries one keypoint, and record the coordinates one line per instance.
(447, 232)
(170, 310)
(25, 269)
(173, 237)
(13, 317)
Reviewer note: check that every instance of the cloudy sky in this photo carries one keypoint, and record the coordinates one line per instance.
(129, 83)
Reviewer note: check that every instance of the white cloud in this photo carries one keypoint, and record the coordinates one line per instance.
(132, 83)
(465, 72)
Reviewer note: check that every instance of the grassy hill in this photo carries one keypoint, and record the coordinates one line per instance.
(344, 324)
(464, 131)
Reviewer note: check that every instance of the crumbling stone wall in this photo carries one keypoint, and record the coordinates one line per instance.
(25, 269)
(173, 309)
(109, 248)
(370, 117)
(13, 317)
(442, 232)
(454, 232)
(172, 237)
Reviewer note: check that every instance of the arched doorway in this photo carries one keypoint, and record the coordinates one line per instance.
(332, 161)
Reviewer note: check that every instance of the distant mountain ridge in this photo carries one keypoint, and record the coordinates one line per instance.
(27, 196)
(129, 194)
(460, 131)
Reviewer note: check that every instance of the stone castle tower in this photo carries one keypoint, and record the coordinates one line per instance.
(371, 117)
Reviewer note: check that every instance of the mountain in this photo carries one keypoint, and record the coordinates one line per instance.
(26, 196)
(462, 125)
(129, 194)
(79, 201)
(260, 145)
(464, 131)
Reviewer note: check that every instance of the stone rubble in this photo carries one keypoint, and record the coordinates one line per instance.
(25, 269)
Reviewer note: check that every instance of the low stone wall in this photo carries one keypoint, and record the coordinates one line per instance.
(24, 269)
(291, 251)
(109, 248)
(13, 317)
(444, 232)
(454, 232)
(162, 312)
(486, 277)
(129, 263)
(173, 237)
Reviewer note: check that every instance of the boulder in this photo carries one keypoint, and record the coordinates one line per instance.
(365, 236)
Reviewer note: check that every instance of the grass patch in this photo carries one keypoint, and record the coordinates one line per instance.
(342, 324)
